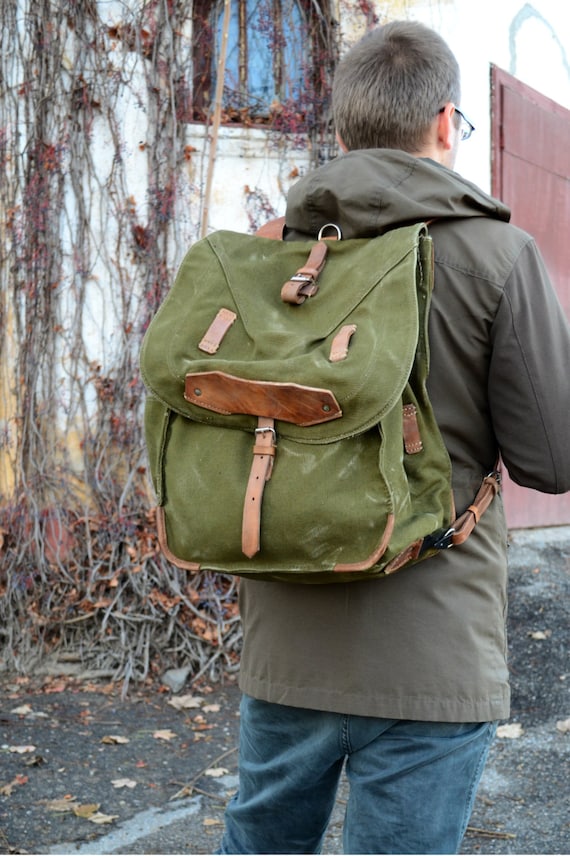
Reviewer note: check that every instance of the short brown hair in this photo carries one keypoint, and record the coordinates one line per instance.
(390, 86)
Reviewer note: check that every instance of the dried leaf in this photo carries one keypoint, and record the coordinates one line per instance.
(539, 635)
(211, 708)
(215, 772)
(102, 818)
(212, 821)
(21, 750)
(6, 790)
(185, 702)
(85, 810)
(165, 734)
(563, 725)
(23, 710)
(114, 738)
(511, 731)
(61, 805)
(35, 761)
(123, 783)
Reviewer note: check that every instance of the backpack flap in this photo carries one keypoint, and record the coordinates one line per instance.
(281, 450)
(369, 283)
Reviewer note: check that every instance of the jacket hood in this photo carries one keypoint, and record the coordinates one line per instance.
(369, 191)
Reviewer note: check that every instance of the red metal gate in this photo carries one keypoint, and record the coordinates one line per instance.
(530, 147)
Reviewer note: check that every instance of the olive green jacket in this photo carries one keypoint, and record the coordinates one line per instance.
(429, 643)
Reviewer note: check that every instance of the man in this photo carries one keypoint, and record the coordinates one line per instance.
(404, 678)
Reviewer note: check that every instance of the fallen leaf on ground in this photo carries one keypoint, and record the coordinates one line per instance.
(55, 688)
(86, 809)
(36, 761)
(123, 783)
(21, 750)
(563, 725)
(212, 821)
(6, 790)
(114, 738)
(512, 730)
(23, 710)
(185, 702)
(166, 734)
(215, 772)
(65, 804)
(540, 634)
(211, 708)
(98, 817)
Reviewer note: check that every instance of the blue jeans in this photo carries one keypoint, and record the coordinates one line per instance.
(412, 784)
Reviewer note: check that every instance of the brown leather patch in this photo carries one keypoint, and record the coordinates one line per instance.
(412, 438)
(290, 402)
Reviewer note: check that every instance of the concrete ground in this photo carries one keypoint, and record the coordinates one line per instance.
(83, 771)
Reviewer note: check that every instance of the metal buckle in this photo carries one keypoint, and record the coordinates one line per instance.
(265, 431)
(440, 540)
(445, 540)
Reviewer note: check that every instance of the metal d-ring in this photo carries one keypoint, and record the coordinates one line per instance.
(330, 226)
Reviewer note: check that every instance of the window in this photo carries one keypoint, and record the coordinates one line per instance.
(277, 60)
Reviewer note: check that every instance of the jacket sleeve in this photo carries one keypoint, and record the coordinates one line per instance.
(529, 379)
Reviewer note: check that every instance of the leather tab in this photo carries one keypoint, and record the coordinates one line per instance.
(260, 473)
(217, 330)
(340, 343)
(291, 402)
(410, 554)
(412, 438)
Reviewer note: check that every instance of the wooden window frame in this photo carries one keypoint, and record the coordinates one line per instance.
(204, 63)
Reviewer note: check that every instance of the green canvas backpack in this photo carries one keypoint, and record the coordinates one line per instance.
(288, 427)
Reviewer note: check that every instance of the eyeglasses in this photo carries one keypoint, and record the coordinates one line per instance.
(466, 127)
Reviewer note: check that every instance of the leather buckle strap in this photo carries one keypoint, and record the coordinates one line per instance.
(464, 525)
(458, 532)
(304, 283)
(260, 473)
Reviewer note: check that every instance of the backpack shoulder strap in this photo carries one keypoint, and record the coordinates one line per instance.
(272, 229)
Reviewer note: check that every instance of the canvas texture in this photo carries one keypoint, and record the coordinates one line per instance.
(343, 498)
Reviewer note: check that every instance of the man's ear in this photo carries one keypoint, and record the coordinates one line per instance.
(446, 128)
(340, 141)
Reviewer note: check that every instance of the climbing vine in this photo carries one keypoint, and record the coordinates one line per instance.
(97, 206)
